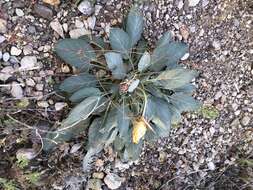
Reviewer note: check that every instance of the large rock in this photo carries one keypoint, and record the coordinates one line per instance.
(113, 181)
(43, 11)
(86, 8)
(28, 63)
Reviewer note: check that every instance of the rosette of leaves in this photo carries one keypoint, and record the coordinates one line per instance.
(124, 94)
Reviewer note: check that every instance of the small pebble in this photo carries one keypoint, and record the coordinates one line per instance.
(19, 12)
(15, 51)
(6, 57)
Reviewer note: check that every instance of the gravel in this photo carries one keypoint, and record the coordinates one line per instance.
(220, 49)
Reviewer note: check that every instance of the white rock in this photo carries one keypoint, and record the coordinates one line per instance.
(3, 24)
(19, 12)
(30, 82)
(113, 181)
(79, 24)
(216, 45)
(15, 51)
(43, 104)
(2, 39)
(28, 49)
(27, 153)
(246, 120)
(91, 22)
(59, 106)
(57, 27)
(65, 27)
(6, 56)
(180, 5)
(16, 90)
(193, 3)
(28, 63)
(211, 166)
(76, 33)
(6, 73)
(186, 56)
(86, 8)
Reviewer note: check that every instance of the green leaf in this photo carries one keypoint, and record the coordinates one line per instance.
(167, 54)
(165, 39)
(123, 120)
(120, 41)
(75, 83)
(184, 102)
(115, 64)
(83, 93)
(176, 78)
(144, 62)
(83, 110)
(76, 52)
(134, 26)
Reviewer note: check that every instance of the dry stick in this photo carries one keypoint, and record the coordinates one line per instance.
(28, 126)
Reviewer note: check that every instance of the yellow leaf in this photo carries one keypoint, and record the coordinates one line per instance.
(52, 2)
(139, 130)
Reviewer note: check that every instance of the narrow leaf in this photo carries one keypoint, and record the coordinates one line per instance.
(123, 120)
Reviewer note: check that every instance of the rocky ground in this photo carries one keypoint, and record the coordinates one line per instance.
(201, 153)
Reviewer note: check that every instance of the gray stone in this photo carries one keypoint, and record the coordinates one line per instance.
(91, 22)
(6, 73)
(57, 27)
(28, 62)
(245, 120)
(28, 49)
(3, 26)
(31, 29)
(94, 184)
(15, 51)
(76, 33)
(1, 55)
(2, 39)
(86, 8)
(16, 90)
(43, 11)
(193, 3)
(30, 82)
(6, 56)
(216, 45)
(113, 181)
